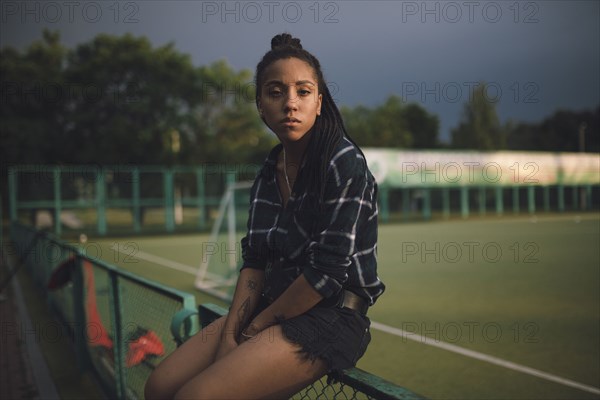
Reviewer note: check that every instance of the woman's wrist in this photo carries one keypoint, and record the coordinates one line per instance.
(251, 330)
(231, 331)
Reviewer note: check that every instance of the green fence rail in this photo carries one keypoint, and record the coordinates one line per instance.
(123, 325)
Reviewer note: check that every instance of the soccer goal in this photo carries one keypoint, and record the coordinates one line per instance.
(221, 255)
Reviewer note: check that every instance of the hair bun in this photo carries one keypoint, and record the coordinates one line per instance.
(285, 40)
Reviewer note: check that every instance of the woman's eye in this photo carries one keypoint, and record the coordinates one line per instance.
(275, 93)
(303, 92)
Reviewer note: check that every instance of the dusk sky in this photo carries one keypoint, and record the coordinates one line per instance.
(537, 56)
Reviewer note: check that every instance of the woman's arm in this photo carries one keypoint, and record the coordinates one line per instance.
(247, 293)
(298, 298)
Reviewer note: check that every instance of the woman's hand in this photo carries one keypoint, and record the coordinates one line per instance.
(251, 331)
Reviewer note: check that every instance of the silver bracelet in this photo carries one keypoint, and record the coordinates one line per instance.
(247, 336)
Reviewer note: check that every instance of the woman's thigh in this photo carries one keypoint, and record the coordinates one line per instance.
(187, 361)
(268, 366)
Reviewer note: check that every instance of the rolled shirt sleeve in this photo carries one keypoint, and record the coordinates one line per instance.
(251, 257)
(347, 206)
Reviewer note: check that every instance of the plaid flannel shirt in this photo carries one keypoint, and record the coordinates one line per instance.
(335, 249)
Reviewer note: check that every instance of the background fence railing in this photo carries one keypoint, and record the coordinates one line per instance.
(142, 199)
(131, 199)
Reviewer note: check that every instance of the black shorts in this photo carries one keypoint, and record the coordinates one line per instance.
(337, 336)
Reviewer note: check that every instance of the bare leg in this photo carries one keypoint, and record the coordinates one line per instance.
(191, 358)
(267, 366)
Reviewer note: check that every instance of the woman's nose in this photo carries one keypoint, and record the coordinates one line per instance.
(291, 100)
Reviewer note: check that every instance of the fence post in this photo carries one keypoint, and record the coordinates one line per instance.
(561, 197)
(515, 199)
(135, 193)
(546, 198)
(116, 311)
(464, 201)
(426, 204)
(80, 334)
(101, 201)
(231, 178)
(446, 202)
(169, 200)
(531, 199)
(200, 197)
(482, 200)
(588, 197)
(499, 200)
(12, 193)
(57, 204)
(405, 203)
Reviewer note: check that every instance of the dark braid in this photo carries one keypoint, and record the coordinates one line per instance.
(328, 129)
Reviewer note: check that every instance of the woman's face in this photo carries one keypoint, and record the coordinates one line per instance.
(289, 99)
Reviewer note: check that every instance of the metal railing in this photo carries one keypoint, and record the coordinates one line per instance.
(119, 322)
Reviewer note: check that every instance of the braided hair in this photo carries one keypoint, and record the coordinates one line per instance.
(328, 129)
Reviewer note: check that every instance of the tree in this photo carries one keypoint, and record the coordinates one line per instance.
(559, 132)
(479, 128)
(228, 126)
(392, 124)
(32, 101)
(357, 121)
(424, 127)
(389, 125)
(382, 126)
(118, 99)
(128, 100)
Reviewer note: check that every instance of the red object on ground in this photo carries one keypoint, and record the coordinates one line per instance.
(147, 344)
(143, 343)
(96, 333)
(62, 274)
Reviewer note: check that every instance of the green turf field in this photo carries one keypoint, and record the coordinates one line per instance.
(517, 298)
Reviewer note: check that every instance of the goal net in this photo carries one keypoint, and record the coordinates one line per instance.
(222, 254)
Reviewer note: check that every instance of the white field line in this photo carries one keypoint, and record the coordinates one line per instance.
(393, 331)
(482, 357)
(165, 262)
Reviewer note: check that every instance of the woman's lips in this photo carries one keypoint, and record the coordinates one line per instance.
(290, 121)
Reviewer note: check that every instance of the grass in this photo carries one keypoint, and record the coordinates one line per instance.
(540, 307)
(519, 288)
(522, 289)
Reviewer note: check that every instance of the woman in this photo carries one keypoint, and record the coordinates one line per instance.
(309, 272)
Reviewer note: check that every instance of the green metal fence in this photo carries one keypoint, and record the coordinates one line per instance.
(464, 201)
(127, 198)
(123, 325)
(120, 323)
(138, 199)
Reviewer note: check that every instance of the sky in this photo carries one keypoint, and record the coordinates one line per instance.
(536, 56)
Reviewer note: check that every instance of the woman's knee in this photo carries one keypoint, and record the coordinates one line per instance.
(197, 392)
(156, 387)
(184, 363)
